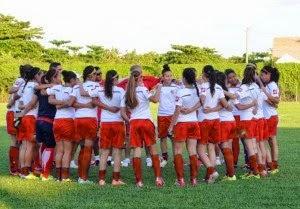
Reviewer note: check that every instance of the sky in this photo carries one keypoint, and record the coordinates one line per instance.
(153, 25)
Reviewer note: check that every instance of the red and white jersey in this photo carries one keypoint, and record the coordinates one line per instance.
(233, 90)
(142, 111)
(210, 101)
(27, 93)
(88, 86)
(261, 97)
(17, 84)
(167, 100)
(246, 95)
(273, 90)
(226, 115)
(62, 93)
(187, 98)
(117, 97)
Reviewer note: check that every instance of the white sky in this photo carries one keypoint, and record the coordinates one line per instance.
(155, 24)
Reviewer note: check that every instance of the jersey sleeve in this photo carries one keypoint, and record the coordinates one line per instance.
(146, 93)
(18, 82)
(178, 98)
(20, 90)
(75, 91)
(274, 90)
(52, 90)
(241, 92)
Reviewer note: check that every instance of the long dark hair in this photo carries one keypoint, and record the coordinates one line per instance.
(209, 72)
(30, 74)
(68, 75)
(249, 74)
(130, 95)
(189, 74)
(87, 71)
(109, 83)
(48, 77)
(221, 80)
(274, 73)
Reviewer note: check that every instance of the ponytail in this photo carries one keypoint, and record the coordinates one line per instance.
(221, 79)
(209, 71)
(30, 74)
(130, 96)
(189, 75)
(109, 82)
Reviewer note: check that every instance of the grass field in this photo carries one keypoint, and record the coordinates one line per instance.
(279, 191)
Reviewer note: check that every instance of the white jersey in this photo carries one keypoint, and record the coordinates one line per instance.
(167, 100)
(17, 84)
(62, 93)
(226, 115)
(233, 90)
(88, 86)
(210, 101)
(27, 93)
(187, 98)
(261, 97)
(246, 95)
(269, 110)
(117, 97)
(142, 110)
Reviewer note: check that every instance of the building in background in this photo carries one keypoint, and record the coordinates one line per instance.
(286, 49)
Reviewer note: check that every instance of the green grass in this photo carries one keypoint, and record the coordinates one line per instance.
(278, 191)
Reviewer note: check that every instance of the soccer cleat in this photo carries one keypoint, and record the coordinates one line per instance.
(117, 182)
(180, 182)
(212, 178)
(229, 178)
(66, 180)
(148, 162)
(73, 164)
(31, 176)
(14, 173)
(82, 181)
(274, 171)
(125, 162)
(109, 161)
(101, 183)
(163, 163)
(218, 161)
(194, 182)
(250, 176)
(159, 182)
(49, 178)
(139, 184)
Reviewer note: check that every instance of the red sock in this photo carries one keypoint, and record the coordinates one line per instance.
(101, 174)
(275, 164)
(209, 171)
(47, 161)
(235, 150)
(65, 173)
(260, 168)
(59, 173)
(253, 164)
(193, 166)
(156, 165)
(36, 165)
(25, 171)
(116, 176)
(137, 168)
(228, 157)
(86, 160)
(13, 159)
(178, 163)
(270, 166)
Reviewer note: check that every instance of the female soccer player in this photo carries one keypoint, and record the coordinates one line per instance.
(10, 117)
(63, 126)
(142, 132)
(26, 129)
(227, 129)
(212, 95)
(246, 104)
(166, 110)
(112, 126)
(270, 78)
(185, 127)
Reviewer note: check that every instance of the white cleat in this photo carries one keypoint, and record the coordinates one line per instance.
(218, 161)
(125, 162)
(73, 164)
(82, 181)
(163, 163)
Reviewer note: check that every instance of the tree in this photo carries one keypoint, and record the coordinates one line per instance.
(59, 43)
(95, 52)
(74, 49)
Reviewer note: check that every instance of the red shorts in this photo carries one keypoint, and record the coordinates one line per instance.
(112, 135)
(186, 130)
(142, 131)
(85, 128)
(248, 129)
(272, 123)
(210, 131)
(26, 130)
(163, 124)
(64, 129)
(261, 129)
(227, 130)
(10, 127)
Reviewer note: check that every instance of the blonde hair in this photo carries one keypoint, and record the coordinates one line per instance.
(130, 96)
